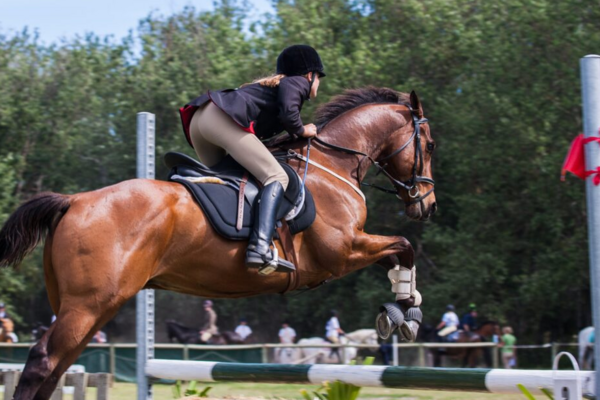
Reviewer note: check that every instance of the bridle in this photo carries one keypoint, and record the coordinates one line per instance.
(409, 185)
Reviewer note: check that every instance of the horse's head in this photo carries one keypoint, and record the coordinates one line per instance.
(406, 161)
(488, 329)
(394, 137)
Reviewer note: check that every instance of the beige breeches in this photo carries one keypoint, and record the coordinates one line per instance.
(214, 135)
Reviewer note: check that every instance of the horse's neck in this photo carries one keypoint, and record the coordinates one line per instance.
(485, 330)
(356, 132)
(360, 336)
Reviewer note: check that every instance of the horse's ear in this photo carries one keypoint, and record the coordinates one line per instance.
(415, 103)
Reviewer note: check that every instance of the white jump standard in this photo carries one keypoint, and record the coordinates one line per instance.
(452, 379)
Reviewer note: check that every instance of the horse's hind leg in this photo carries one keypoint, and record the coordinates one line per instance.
(57, 350)
(87, 296)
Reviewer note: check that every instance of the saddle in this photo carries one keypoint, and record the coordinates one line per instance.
(226, 193)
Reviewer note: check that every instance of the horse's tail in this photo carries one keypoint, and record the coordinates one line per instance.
(27, 226)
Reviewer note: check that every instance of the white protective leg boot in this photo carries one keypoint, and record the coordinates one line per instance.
(393, 315)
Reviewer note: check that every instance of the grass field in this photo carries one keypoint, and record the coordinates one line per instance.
(127, 391)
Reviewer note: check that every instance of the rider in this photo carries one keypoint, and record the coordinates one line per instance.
(333, 329)
(3, 313)
(448, 327)
(233, 121)
(469, 319)
(210, 322)
(333, 332)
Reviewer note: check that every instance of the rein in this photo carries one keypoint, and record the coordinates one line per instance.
(408, 185)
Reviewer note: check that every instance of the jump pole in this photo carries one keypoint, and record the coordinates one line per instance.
(145, 299)
(501, 381)
(590, 91)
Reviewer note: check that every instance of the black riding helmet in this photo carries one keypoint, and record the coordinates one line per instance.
(299, 59)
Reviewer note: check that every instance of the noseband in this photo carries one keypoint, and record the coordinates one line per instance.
(409, 185)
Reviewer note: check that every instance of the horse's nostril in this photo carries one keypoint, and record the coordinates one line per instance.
(433, 208)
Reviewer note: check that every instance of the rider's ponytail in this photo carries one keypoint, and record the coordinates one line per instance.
(269, 81)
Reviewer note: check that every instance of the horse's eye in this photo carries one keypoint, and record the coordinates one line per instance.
(430, 147)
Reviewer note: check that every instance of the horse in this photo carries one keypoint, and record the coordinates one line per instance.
(469, 356)
(7, 331)
(324, 355)
(586, 348)
(186, 335)
(104, 246)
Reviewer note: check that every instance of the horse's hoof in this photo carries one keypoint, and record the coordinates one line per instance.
(389, 319)
(412, 320)
(408, 331)
(384, 325)
(392, 316)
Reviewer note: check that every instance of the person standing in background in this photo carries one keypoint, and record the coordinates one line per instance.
(287, 334)
(509, 352)
(100, 337)
(210, 322)
(243, 329)
(3, 313)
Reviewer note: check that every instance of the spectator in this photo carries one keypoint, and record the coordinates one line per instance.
(448, 327)
(99, 337)
(387, 353)
(210, 322)
(469, 320)
(243, 329)
(509, 352)
(3, 313)
(287, 334)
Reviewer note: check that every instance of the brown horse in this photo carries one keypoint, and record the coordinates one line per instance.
(469, 357)
(187, 335)
(7, 327)
(104, 246)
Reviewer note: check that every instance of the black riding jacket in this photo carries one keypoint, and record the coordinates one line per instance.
(264, 111)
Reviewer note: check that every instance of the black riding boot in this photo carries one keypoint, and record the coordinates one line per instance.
(259, 253)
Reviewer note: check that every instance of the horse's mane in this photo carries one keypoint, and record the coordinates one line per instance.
(353, 98)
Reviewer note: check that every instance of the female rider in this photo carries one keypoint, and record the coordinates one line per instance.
(233, 121)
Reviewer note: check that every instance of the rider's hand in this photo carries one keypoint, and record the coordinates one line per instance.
(310, 130)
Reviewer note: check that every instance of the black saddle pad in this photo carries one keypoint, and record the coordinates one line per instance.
(220, 201)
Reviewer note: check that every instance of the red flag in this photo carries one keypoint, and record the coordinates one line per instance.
(575, 160)
(596, 178)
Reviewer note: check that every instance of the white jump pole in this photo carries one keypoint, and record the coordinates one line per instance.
(145, 298)
(590, 90)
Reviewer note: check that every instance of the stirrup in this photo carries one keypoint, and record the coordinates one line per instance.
(268, 267)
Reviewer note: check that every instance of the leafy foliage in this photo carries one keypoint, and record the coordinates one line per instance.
(191, 390)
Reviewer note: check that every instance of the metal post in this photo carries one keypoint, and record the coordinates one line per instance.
(113, 359)
(590, 90)
(264, 352)
(395, 350)
(145, 298)
(553, 351)
(495, 356)
(422, 361)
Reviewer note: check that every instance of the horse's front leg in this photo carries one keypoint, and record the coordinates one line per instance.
(396, 254)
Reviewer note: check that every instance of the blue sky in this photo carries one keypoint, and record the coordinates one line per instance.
(67, 18)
